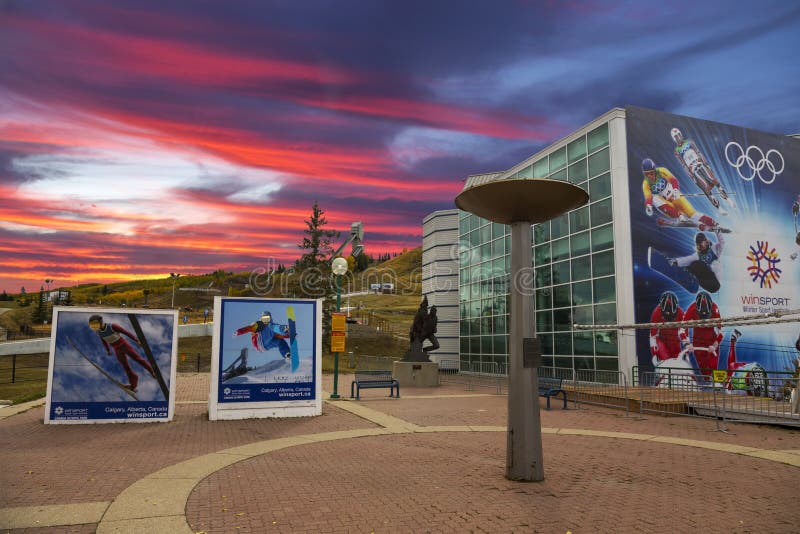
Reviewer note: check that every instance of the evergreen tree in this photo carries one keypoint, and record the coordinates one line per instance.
(319, 242)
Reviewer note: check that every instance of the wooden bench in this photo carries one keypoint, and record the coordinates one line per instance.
(551, 387)
(373, 379)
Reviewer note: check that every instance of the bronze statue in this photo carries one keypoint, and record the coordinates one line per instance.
(423, 327)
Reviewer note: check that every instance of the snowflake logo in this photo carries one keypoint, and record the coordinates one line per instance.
(59, 410)
(763, 264)
(227, 391)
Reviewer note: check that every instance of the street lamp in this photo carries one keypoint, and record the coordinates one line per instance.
(174, 277)
(339, 267)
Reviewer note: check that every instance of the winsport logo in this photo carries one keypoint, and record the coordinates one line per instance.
(763, 268)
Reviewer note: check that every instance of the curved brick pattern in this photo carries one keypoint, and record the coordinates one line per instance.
(451, 482)
(430, 461)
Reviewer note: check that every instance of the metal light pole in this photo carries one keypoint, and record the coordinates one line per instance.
(339, 267)
(174, 277)
(519, 203)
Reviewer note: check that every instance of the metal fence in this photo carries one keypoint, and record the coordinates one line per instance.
(474, 375)
(746, 398)
(16, 368)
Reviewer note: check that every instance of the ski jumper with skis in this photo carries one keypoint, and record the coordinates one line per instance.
(111, 336)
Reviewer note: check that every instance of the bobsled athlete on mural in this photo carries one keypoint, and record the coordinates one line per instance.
(266, 334)
(662, 193)
(705, 339)
(699, 170)
(667, 342)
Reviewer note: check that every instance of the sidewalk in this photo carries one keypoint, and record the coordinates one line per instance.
(431, 461)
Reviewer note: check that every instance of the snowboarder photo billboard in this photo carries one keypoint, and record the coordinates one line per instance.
(264, 351)
(111, 365)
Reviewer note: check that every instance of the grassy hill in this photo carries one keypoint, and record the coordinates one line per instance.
(194, 293)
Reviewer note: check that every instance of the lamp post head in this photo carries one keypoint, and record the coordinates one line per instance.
(339, 266)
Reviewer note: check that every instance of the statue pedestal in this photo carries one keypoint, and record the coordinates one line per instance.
(416, 374)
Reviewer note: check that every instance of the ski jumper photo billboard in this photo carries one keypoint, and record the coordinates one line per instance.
(266, 358)
(111, 365)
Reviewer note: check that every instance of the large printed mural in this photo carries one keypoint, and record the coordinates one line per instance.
(715, 234)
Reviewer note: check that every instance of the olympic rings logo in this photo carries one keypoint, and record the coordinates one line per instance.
(745, 157)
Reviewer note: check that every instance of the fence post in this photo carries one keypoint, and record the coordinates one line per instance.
(198, 362)
(13, 368)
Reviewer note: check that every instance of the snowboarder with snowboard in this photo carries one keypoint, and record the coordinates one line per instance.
(265, 335)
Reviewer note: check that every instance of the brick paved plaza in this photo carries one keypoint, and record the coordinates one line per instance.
(431, 461)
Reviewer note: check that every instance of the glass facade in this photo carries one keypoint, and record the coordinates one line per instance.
(573, 261)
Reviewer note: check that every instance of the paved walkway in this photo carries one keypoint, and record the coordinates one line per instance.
(432, 461)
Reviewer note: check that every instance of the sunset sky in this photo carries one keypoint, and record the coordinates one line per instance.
(139, 138)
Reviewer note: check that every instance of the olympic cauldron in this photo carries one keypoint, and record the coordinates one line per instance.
(520, 203)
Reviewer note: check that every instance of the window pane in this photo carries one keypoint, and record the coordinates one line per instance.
(598, 137)
(600, 187)
(544, 321)
(562, 319)
(547, 343)
(579, 244)
(598, 163)
(541, 232)
(560, 225)
(486, 233)
(500, 345)
(605, 314)
(606, 342)
(581, 268)
(527, 172)
(601, 212)
(576, 149)
(602, 238)
(542, 254)
(563, 363)
(559, 175)
(498, 230)
(486, 344)
(558, 159)
(463, 226)
(577, 172)
(563, 345)
(561, 272)
(582, 315)
(561, 296)
(582, 293)
(604, 289)
(543, 276)
(607, 364)
(579, 219)
(500, 324)
(561, 249)
(541, 168)
(603, 263)
(544, 298)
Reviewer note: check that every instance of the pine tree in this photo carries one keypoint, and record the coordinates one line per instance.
(319, 243)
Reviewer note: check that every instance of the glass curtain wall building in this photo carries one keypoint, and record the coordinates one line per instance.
(664, 190)
(573, 262)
